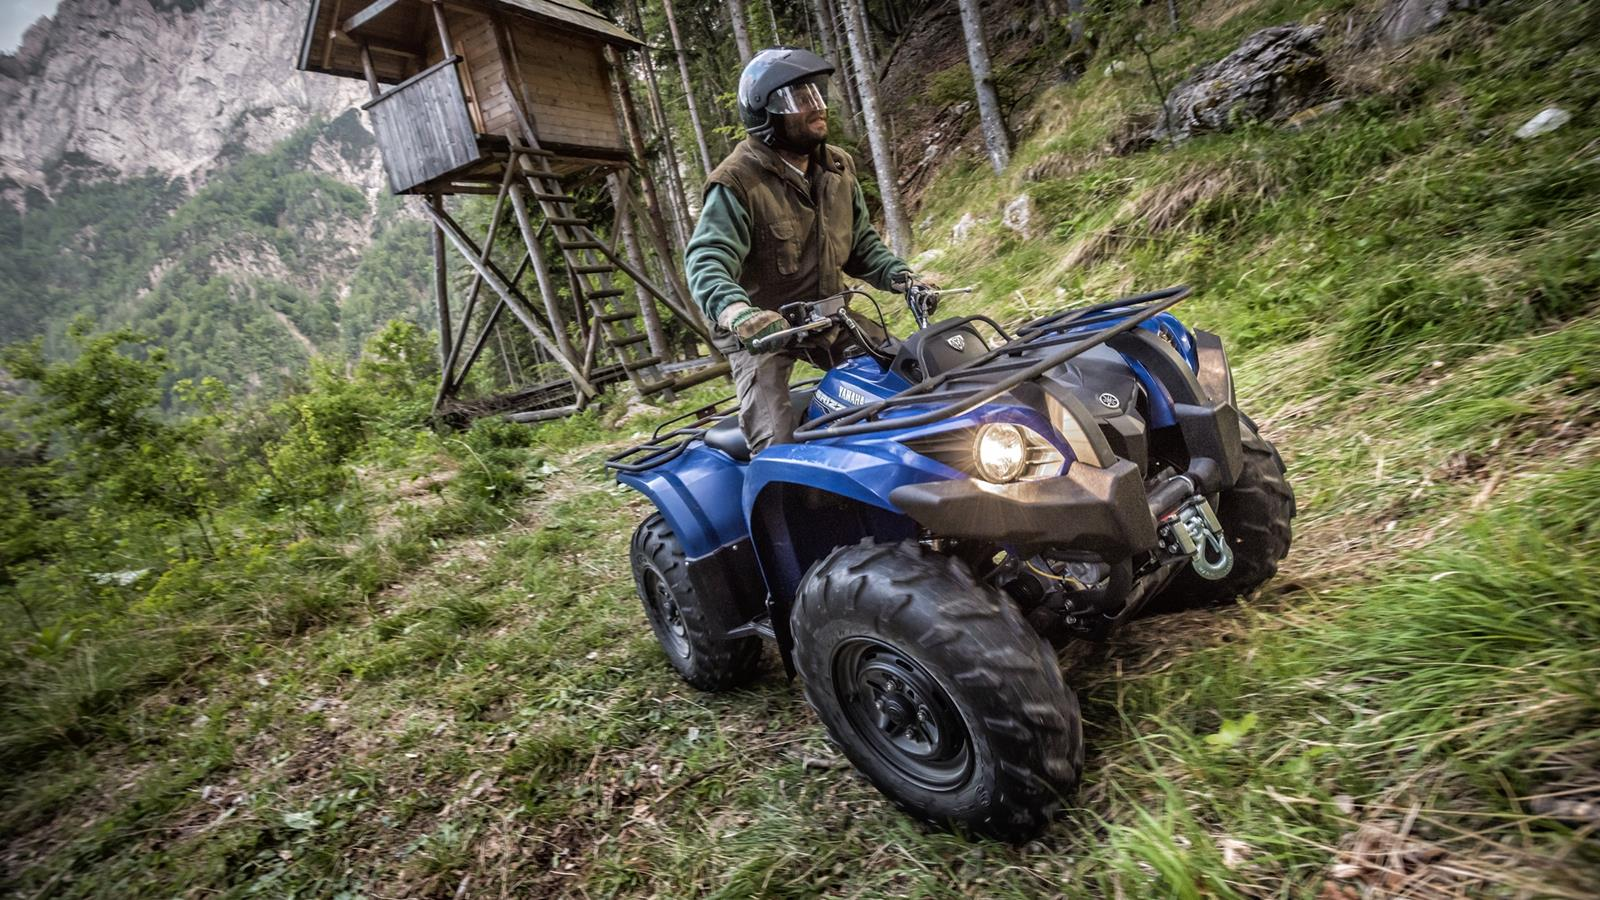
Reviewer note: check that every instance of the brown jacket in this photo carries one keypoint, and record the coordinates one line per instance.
(804, 235)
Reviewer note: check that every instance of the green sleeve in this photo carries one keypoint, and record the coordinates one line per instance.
(869, 258)
(716, 253)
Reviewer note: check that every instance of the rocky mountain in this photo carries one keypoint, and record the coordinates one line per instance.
(164, 166)
(128, 87)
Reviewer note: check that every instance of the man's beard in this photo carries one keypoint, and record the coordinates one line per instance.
(785, 137)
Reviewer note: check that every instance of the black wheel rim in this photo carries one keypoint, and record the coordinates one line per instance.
(668, 617)
(902, 713)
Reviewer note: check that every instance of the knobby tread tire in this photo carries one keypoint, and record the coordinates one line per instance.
(713, 663)
(1255, 514)
(1023, 721)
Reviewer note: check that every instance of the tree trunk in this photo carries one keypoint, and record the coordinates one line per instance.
(1075, 23)
(841, 81)
(995, 136)
(846, 65)
(772, 17)
(1172, 13)
(894, 220)
(688, 88)
(741, 30)
(656, 335)
(634, 129)
(679, 220)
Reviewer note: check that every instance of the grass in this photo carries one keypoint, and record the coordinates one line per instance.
(458, 696)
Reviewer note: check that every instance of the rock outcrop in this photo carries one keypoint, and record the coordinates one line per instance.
(123, 87)
(1404, 20)
(1274, 74)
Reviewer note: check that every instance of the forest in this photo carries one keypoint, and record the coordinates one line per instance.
(269, 628)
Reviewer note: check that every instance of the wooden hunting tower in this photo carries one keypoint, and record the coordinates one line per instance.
(516, 99)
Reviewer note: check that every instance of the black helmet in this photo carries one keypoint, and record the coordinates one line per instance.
(766, 73)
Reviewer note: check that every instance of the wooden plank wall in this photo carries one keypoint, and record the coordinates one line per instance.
(424, 130)
(473, 37)
(568, 85)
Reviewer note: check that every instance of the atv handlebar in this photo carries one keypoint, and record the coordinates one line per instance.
(810, 317)
(924, 301)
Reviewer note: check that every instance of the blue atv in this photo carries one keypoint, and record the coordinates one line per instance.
(954, 505)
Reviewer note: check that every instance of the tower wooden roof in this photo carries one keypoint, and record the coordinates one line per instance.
(396, 30)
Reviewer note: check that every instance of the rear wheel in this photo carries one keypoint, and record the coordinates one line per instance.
(1255, 515)
(937, 689)
(679, 615)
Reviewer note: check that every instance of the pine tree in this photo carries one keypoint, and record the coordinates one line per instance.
(741, 30)
(826, 33)
(894, 220)
(688, 88)
(677, 197)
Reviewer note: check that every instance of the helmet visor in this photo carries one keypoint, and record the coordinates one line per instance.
(797, 98)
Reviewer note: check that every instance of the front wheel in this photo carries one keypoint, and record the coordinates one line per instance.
(937, 689)
(680, 617)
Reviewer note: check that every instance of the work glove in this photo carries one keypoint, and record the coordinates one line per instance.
(751, 323)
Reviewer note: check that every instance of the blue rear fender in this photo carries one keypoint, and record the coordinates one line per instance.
(698, 494)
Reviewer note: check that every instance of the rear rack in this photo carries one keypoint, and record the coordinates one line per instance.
(665, 446)
(954, 390)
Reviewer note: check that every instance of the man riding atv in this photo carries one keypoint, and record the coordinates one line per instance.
(928, 521)
(783, 220)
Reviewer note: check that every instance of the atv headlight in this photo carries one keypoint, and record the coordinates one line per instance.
(1001, 452)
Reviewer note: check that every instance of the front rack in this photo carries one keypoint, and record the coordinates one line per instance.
(954, 390)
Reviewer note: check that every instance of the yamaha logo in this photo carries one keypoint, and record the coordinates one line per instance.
(852, 397)
(957, 343)
(1110, 401)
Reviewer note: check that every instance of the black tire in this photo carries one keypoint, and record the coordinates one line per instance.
(679, 617)
(993, 740)
(1255, 515)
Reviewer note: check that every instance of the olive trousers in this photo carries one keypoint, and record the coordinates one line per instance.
(766, 416)
(761, 380)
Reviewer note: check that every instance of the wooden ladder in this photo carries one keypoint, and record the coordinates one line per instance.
(592, 275)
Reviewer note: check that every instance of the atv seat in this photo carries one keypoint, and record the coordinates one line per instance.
(728, 437)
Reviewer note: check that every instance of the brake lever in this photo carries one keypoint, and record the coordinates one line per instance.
(781, 340)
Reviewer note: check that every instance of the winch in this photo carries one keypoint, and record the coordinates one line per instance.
(1192, 530)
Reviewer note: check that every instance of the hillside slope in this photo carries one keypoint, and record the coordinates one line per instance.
(429, 676)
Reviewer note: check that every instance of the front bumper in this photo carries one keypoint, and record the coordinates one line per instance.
(1104, 510)
(1090, 508)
